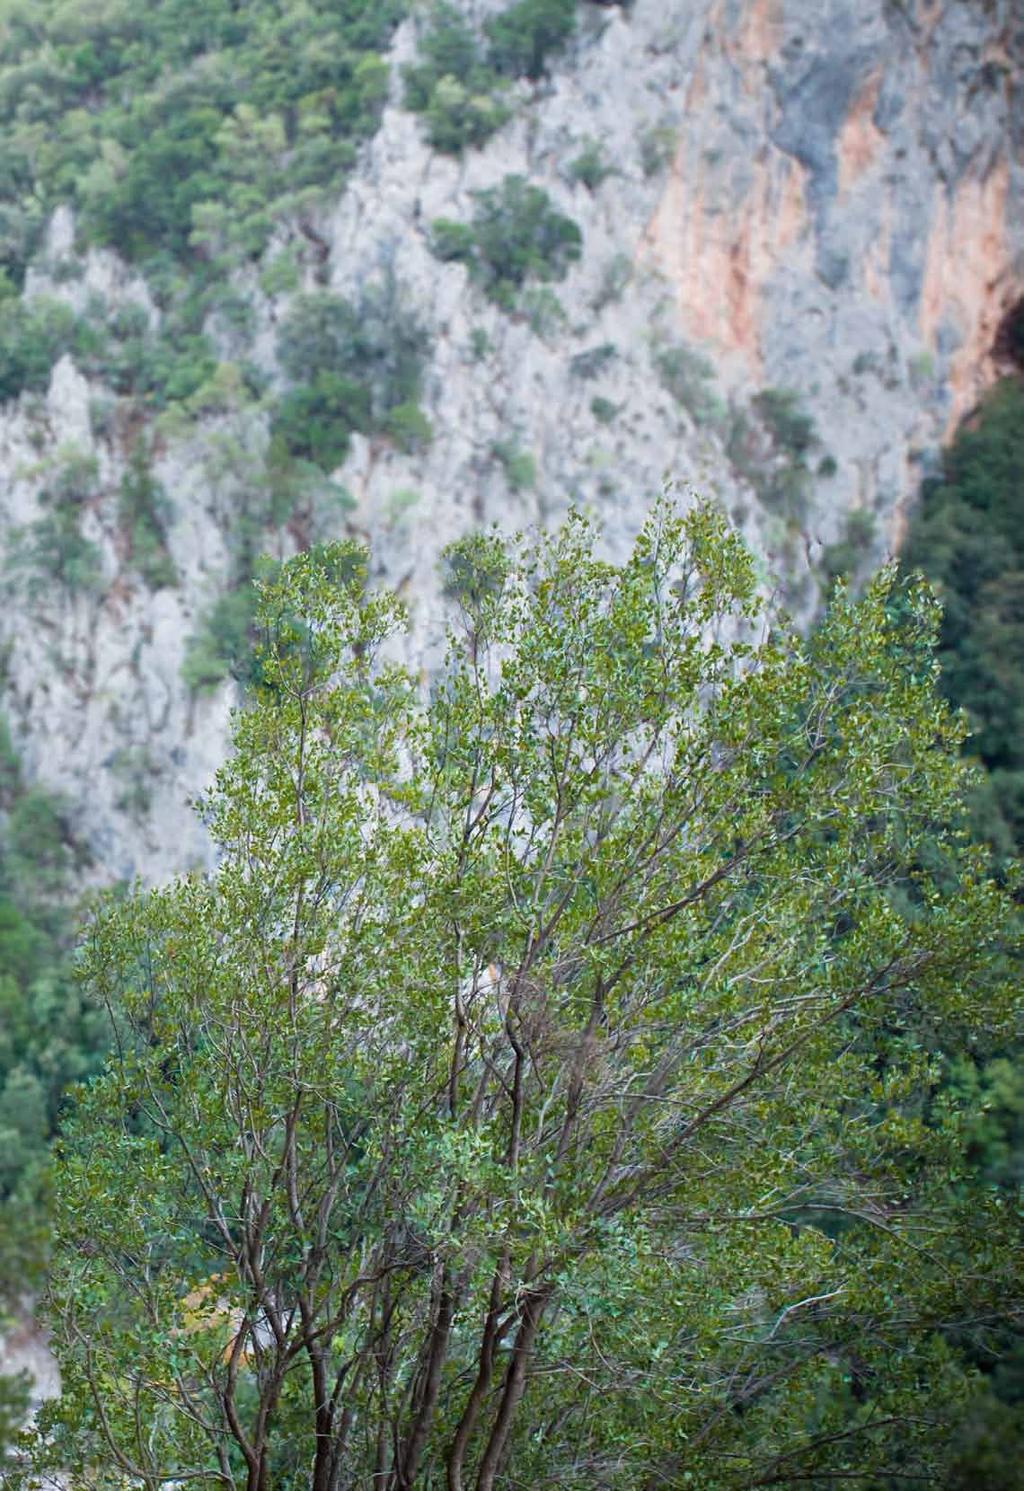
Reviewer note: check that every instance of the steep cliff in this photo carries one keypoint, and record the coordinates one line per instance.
(774, 198)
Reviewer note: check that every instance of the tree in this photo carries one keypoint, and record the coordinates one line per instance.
(528, 1098)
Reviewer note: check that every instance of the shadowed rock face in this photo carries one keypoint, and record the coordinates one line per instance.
(819, 195)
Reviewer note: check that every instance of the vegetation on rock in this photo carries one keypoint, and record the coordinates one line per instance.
(516, 235)
(182, 132)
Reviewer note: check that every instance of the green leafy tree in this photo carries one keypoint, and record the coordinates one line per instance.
(523, 1101)
(316, 421)
(187, 129)
(32, 338)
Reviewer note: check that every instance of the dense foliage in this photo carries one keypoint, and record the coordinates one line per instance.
(182, 129)
(968, 537)
(533, 1094)
(49, 1036)
(353, 366)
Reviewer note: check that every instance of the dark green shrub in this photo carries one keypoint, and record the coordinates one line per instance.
(448, 48)
(791, 429)
(518, 465)
(390, 350)
(593, 361)
(359, 367)
(603, 410)
(144, 512)
(524, 37)
(450, 241)
(48, 1036)
(515, 236)
(33, 336)
(135, 770)
(458, 117)
(53, 550)
(161, 365)
(224, 645)
(61, 552)
(408, 427)
(785, 489)
(376, 341)
(320, 334)
(688, 377)
(772, 453)
(849, 557)
(316, 422)
(590, 167)
(39, 841)
(968, 537)
(73, 480)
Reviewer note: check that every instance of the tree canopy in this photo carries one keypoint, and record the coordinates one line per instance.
(537, 1093)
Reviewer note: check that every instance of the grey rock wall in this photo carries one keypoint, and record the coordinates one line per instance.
(820, 196)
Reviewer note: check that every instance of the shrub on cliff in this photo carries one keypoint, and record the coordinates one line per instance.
(515, 236)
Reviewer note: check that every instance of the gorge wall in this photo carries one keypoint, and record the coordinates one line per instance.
(825, 198)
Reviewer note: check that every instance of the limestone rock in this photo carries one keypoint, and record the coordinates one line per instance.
(824, 197)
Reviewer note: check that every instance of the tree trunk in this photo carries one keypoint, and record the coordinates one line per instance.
(515, 1384)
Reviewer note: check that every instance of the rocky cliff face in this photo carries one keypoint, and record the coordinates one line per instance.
(824, 198)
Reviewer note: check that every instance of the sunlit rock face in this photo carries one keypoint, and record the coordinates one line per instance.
(822, 197)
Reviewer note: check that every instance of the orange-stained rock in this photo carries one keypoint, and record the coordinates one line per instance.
(969, 280)
(860, 142)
